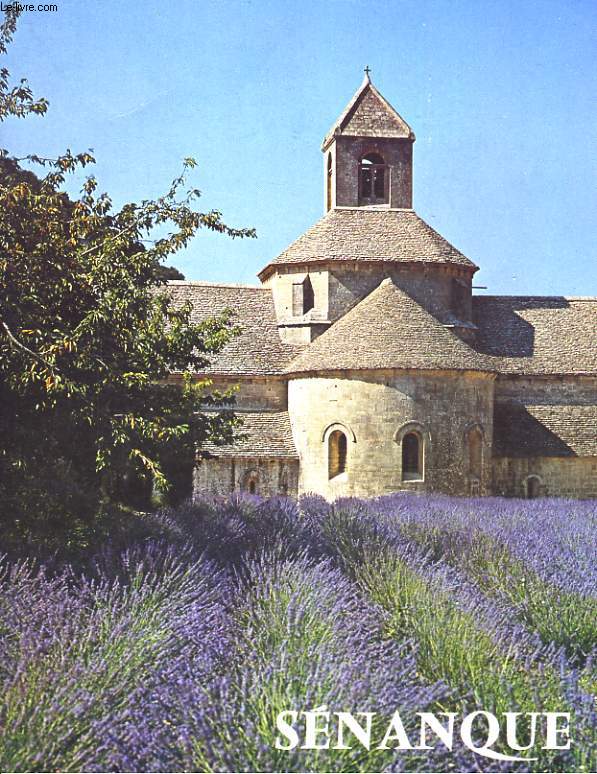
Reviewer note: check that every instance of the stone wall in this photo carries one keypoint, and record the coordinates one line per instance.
(558, 476)
(565, 390)
(281, 282)
(256, 393)
(348, 152)
(337, 287)
(373, 408)
(430, 286)
(222, 476)
(569, 476)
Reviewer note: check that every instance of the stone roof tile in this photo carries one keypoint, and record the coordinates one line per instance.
(263, 434)
(530, 430)
(360, 233)
(258, 348)
(369, 114)
(387, 329)
(538, 334)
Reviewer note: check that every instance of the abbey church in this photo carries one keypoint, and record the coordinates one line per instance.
(366, 365)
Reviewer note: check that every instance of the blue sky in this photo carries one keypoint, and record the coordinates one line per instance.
(501, 96)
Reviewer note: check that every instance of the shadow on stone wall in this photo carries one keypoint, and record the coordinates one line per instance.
(502, 331)
(517, 433)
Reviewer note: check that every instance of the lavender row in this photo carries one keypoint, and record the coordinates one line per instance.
(179, 653)
(86, 663)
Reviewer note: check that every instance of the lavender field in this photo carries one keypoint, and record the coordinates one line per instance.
(178, 653)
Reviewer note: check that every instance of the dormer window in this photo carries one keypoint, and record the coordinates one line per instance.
(303, 299)
(373, 188)
(460, 293)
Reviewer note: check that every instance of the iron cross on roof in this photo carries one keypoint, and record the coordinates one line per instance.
(367, 71)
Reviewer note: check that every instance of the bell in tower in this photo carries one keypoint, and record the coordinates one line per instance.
(368, 154)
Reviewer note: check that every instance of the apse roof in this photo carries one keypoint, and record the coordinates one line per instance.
(516, 335)
(388, 330)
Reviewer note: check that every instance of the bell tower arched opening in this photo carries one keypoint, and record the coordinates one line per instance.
(328, 183)
(373, 180)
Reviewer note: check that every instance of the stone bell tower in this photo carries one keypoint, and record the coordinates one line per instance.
(368, 155)
(369, 233)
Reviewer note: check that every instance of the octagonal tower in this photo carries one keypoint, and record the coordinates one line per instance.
(369, 232)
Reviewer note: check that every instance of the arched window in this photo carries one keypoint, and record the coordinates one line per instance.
(337, 451)
(303, 297)
(533, 487)
(412, 457)
(283, 481)
(251, 482)
(372, 179)
(474, 439)
(329, 183)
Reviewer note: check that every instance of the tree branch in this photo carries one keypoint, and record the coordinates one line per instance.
(111, 239)
(19, 345)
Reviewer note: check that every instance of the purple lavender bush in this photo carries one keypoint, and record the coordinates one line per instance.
(308, 639)
(82, 659)
(179, 652)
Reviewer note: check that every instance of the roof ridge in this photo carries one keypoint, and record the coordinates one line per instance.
(206, 283)
(392, 108)
(566, 298)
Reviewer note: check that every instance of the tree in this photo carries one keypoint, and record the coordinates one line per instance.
(169, 273)
(88, 340)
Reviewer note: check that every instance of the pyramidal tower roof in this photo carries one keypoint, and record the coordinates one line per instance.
(369, 114)
(365, 235)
